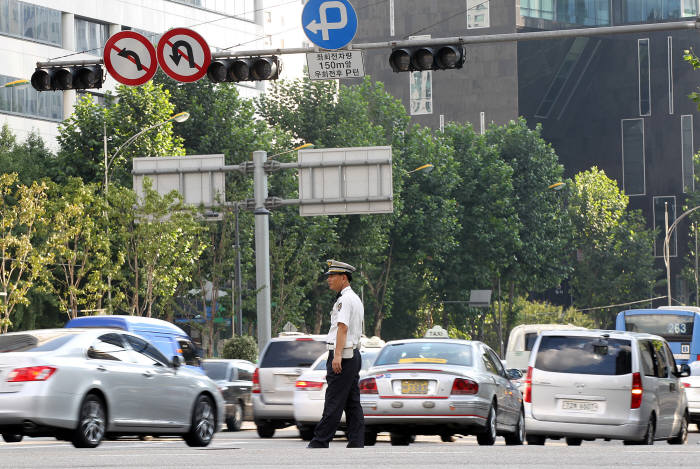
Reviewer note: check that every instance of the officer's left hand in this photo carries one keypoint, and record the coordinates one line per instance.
(337, 367)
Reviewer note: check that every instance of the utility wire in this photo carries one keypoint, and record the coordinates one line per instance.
(622, 304)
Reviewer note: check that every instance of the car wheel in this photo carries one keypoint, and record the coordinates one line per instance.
(535, 440)
(265, 430)
(400, 439)
(488, 436)
(370, 438)
(518, 436)
(573, 441)
(91, 423)
(682, 436)
(12, 437)
(306, 432)
(203, 423)
(234, 422)
(648, 436)
(447, 437)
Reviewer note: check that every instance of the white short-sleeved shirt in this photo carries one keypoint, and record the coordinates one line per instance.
(347, 309)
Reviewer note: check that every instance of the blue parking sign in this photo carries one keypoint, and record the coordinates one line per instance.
(330, 24)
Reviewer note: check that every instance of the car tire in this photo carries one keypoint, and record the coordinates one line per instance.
(447, 437)
(203, 424)
(12, 437)
(682, 436)
(649, 435)
(400, 439)
(265, 430)
(306, 432)
(488, 436)
(574, 441)
(233, 423)
(370, 438)
(518, 436)
(535, 440)
(92, 423)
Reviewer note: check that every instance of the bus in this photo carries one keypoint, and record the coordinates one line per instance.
(673, 323)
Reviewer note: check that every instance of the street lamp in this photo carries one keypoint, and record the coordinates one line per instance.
(426, 168)
(667, 250)
(300, 147)
(15, 83)
(179, 117)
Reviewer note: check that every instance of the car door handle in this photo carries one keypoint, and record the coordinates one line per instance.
(147, 374)
(101, 368)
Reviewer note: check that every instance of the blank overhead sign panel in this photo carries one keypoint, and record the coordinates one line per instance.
(345, 181)
(198, 178)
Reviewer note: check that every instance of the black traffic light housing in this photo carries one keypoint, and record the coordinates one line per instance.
(418, 58)
(68, 78)
(244, 69)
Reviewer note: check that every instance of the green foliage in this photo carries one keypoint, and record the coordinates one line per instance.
(242, 347)
(614, 248)
(31, 160)
(22, 212)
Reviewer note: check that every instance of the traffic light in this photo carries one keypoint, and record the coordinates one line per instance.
(244, 69)
(442, 57)
(67, 78)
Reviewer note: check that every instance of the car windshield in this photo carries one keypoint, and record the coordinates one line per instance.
(584, 355)
(673, 327)
(425, 352)
(34, 341)
(218, 371)
(292, 353)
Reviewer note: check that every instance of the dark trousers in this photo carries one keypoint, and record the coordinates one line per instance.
(342, 394)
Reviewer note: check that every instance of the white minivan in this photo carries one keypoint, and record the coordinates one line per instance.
(522, 338)
(583, 385)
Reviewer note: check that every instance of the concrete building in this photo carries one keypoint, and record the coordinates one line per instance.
(43, 30)
(618, 102)
(282, 29)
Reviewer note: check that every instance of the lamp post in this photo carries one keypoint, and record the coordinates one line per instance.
(179, 117)
(667, 255)
(426, 168)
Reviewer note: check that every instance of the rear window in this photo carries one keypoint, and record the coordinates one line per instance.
(584, 355)
(530, 339)
(33, 342)
(292, 353)
(218, 371)
(425, 352)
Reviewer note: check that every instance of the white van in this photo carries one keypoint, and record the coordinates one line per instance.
(522, 338)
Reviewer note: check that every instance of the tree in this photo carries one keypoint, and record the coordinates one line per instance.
(77, 236)
(128, 112)
(614, 249)
(31, 160)
(22, 211)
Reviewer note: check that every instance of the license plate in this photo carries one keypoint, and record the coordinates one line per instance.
(413, 386)
(580, 406)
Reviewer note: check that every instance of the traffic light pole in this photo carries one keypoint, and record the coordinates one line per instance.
(479, 39)
(262, 249)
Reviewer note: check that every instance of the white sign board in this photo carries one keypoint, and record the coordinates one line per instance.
(338, 64)
(198, 178)
(351, 181)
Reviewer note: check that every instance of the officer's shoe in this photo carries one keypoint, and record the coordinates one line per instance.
(316, 444)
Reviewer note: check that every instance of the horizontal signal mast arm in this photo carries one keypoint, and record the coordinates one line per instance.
(481, 39)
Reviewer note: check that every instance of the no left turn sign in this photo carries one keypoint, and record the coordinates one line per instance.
(130, 58)
(183, 55)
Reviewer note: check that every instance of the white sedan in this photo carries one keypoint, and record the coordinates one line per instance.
(83, 385)
(691, 384)
(440, 387)
(310, 392)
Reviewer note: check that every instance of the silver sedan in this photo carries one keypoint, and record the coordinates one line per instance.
(84, 384)
(440, 387)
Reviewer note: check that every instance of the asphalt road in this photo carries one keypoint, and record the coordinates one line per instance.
(286, 449)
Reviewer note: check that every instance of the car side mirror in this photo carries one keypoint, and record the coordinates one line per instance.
(177, 361)
(514, 373)
(683, 371)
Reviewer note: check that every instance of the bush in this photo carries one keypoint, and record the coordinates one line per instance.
(242, 347)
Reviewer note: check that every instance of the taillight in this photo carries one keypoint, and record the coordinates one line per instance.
(685, 385)
(528, 385)
(304, 339)
(464, 386)
(368, 386)
(31, 373)
(256, 382)
(637, 391)
(309, 385)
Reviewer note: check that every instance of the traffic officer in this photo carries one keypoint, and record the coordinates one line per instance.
(344, 362)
